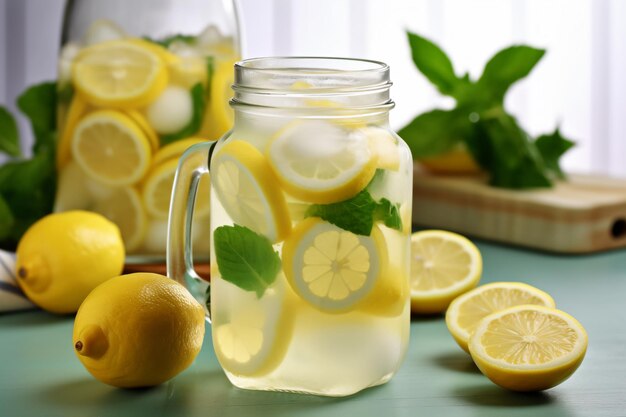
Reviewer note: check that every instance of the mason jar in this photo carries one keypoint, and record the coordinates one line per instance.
(310, 228)
(138, 83)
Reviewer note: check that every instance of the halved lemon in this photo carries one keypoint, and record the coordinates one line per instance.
(145, 127)
(78, 107)
(466, 311)
(123, 207)
(119, 73)
(330, 268)
(321, 162)
(174, 150)
(528, 347)
(251, 335)
(157, 191)
(443, 266)
(110, 147)
(219, 117)
(246, 188)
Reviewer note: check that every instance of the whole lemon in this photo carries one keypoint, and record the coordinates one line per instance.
(63, 256)
(138, 330)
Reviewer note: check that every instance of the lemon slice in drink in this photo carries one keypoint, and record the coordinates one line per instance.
(145, 127)
(384, 145)
(119, 73)
(78, 107)
(443, 266)
(246, 187)
(466, 311)
(251, 335)
(321, 162)
(219, 116)
(330, 268)
(528, 347)
(111, 148)
(123, 207)
(174, 150)
(157, 191)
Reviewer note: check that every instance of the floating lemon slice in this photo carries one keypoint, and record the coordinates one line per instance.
(111, 148)
(321, 162)
(528, 347)
(157, 191)
(119, 73)
(443, 266)
(246, 187)
(145, 127)
(78, 107)
(332, 269)
(219, 116)
(384, 145)
(123, 207)
(174, 150)
(466, 311)
(251, 335)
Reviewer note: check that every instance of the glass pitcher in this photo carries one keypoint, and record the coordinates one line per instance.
(139, 82)
(310, 228)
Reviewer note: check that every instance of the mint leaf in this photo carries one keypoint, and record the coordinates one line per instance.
(245, 258)
(435, 132)
(355, 215)
(38, 103)
(506, 67)
(433, 63)
(389, 214)
(552, 147)
(168, 40)
(9, 137)
(6, 219)
(198, 101)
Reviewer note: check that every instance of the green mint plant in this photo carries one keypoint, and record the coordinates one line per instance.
(494, 138)
(27, 185)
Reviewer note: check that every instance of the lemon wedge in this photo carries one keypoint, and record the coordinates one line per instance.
(119, 73)
(111, 148)
(246, 188)
(251, 335)
(330, 268)
(466, 311)
(443, 266)
(528, 347)
(321, 162)
(123, 207)
(157, 191)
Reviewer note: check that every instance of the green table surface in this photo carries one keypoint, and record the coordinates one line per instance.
(40, 376)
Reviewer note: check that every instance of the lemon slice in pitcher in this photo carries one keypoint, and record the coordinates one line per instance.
(110, 147)
(331, 268)
(321, 162)
(246, 187)
(119, 74)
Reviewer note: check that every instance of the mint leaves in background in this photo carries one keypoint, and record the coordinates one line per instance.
(358, 214)
(245, 258)
(479, 121)
(27, 186)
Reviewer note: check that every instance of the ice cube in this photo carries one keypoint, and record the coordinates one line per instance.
(103, 30)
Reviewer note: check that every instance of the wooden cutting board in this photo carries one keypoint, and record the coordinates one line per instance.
(581, 215)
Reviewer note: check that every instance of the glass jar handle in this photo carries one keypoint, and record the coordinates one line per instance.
(192, 165)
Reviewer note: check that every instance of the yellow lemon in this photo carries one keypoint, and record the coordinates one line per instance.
(321, 162)
(466, 311)
(174, 150)
(145, 127)
(123, 207)
(189, 71)
(219, 117)
(111, 148)
(120, 73)
(78, 107)
(456, 161)
(138, 330)
(528, 347)
(246, 188)
(63, 256)
(443, 266)
(330, 268)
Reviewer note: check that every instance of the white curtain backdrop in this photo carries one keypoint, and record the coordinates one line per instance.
(580, 84)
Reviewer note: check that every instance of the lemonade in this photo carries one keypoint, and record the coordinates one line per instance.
(126, 106)
(310, 203)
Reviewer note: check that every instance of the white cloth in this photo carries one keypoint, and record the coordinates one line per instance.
(11, 296)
